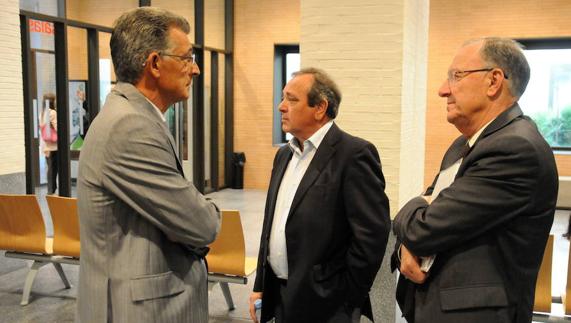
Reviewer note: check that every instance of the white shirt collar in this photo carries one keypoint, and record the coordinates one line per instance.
(315, 139)
(157, 109)
(475, 137)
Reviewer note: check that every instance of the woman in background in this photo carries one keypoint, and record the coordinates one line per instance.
(49, 118)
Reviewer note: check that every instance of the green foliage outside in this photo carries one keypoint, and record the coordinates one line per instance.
(555, 129)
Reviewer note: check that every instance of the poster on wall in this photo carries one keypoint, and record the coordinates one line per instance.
(77, 110)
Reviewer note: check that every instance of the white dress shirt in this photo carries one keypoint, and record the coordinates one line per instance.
(161, 114)
(445, 179)
(292, 177)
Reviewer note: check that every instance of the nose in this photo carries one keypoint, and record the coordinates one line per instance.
(444, 90)
(194, 70)
(282, 107)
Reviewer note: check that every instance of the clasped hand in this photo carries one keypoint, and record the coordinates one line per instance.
(410, 266)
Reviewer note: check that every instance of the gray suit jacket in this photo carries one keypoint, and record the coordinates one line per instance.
(488, 229)
(138, 218)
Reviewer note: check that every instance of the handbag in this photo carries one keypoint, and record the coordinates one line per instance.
(49, 134)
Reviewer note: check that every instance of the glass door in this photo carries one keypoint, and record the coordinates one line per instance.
(43, 70)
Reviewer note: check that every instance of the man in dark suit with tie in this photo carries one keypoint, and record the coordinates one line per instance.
(485, 220)
(326, 221)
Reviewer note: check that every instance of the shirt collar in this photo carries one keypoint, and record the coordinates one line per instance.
(157, 109)
(313, 141)
(475, 137)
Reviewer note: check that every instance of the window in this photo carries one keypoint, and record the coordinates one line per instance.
(286, 61)
(547, 99)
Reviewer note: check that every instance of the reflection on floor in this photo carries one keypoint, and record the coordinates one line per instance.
(50, 302)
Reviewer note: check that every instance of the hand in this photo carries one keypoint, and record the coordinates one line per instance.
(410, 266)
(253, 297)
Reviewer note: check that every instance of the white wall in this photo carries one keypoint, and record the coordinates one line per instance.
(12, 155)
(376, 51)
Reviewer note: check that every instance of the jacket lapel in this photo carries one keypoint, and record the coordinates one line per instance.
(502, 120)
(325, 151)
(277, 176)
(138, 99)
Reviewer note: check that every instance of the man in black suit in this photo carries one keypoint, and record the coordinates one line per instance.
(485, 220)
(326, 221)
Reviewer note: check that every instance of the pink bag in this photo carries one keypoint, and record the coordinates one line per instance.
(49, 134)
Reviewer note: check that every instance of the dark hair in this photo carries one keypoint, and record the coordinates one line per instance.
(323, 88)
(136, 34)
(51, 99)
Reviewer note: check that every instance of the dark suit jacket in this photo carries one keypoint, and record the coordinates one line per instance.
(336, 232)
(488, 229)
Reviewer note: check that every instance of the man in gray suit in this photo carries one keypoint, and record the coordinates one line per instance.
(143, 225)
(485, 220)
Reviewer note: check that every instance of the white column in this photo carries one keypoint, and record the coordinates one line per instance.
(377, 53)
(12, 157)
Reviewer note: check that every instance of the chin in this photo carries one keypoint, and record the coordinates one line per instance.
(451, 118)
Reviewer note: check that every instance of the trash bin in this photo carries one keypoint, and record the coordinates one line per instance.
(238, 161)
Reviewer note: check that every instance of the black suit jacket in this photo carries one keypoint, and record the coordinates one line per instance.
(488, 229)
(336, 232)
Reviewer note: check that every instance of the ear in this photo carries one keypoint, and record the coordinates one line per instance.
(497, 80)
(153, 64)
(321, 110)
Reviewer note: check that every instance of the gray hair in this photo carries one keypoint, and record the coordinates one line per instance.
(507, 55)
(136, 34)
(323, 88)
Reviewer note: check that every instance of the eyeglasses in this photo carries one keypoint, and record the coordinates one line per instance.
(187, 60)
(456, 76)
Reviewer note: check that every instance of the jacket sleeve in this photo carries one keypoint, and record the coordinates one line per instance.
(140, 169)
(367, 209)
(494, 189)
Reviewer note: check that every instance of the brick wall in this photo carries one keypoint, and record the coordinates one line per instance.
(12, 155)
(451, 25)
(258, 26)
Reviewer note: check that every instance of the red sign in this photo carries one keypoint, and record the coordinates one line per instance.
(38, 26)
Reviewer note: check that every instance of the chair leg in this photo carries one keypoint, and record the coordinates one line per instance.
(211, 285)
(30, 281)
(227, 295)
(62, 275)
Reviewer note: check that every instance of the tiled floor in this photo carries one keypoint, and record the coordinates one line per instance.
(50, 302)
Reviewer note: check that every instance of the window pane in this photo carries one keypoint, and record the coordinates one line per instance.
(214, 23)
(547, 98)
(46, 7)
(99, 12)
(106, 71)
(42, 35)
(184, 8)
(206, 71)
(292, 64)
(77, 69)
(221, 120)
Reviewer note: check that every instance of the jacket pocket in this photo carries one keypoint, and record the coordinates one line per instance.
(326, 271)
(155, 286)
(473, 297)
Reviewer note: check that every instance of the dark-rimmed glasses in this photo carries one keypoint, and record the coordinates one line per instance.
(456, 76)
